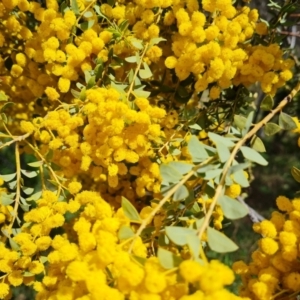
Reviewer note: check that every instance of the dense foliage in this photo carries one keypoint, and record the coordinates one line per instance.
(127, 137)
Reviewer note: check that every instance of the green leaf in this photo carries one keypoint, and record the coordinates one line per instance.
(178, 235)
(271, 129)
(92, 82)
(168, 259)
(195, 126)
(130, 211)
(43, 259)
(286, 122)
(257, 144)
(3, 97)
(36, 196)
(193, 243)
(14, 246)
(240, 178)
(267, 103)
(146, 72)
(181, 167)
(25, 207)
(219, 242)
(87, 25)
(196, 150)
(6, 200)
(140, 260)
(181, 193)
(125, 233)
(248, 123)
(8, 177)
(237, 167)
(88, 14)
(220, 139)
(232, 208)
(253, 155)
(36, 164)
(169, 173)
(211, 174)
(75, 7)
(156, 40)
(131, 59)
(27, 190)
(30, 174)
(240, 121)
(296, 173)
(137, 43)
(223, 152)
(140, 93)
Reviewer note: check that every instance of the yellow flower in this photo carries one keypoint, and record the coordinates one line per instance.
(268, 246)
(284, 204)
(64, 85)
(51, 93)
(4, 287)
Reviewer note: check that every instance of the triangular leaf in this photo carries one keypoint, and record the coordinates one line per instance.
(219, 242)
(286, 122)
(267, 103)
(271, 129)
(125, 233)
(257, 144)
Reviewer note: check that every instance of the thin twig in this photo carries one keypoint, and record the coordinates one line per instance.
(237, 147)
(136, 71)
(166, 198)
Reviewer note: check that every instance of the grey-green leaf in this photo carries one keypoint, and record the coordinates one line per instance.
(232, 208)
(181, 167)
(8, 177)
(169, 173)
(219, 242)
(181, 193)
(178, 235)
(130, 211)
(223, 152)
(168, 259)
(125, 233)
(220, 139)
(197, 150)
(253, 155)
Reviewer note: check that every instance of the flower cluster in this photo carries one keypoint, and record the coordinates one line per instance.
(91, 259)
(274, 269)
(107, 140)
